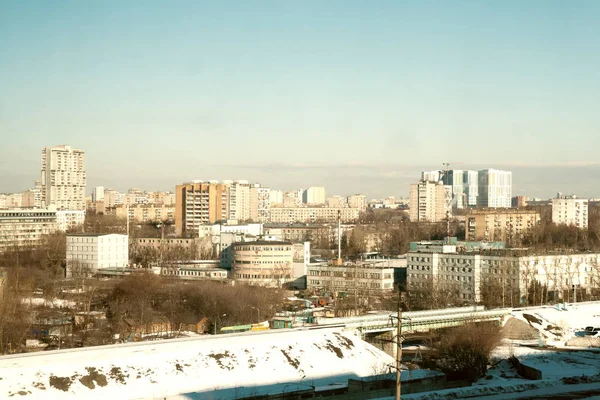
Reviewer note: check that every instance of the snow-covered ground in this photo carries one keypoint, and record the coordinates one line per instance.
(50, 303)
(222, 367)
(564, 370)
(558, 326)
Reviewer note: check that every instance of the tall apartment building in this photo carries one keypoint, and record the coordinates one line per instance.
(98, 193)
(260, 203)
(314, 196)
(495, 188)
(569, 210)
(239, 200)
(25, 227)
(63, 178)
(276, 197)
(357, 201)
(499, 224)
(199, 203)
(427, 202)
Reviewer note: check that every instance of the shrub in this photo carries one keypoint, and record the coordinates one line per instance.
(464, 352)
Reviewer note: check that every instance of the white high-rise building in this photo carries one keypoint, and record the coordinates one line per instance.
(495, 188)
(314, 195)
(98, 193)
(471, 187)
(431, 176)
(63, 178)
(276, 196)
(569, 210)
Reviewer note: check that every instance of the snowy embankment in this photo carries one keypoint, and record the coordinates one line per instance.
(222, 367)
(564, 370)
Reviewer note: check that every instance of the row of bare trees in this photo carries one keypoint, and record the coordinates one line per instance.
(143, 296)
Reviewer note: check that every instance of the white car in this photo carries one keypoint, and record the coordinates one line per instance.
(592, 331)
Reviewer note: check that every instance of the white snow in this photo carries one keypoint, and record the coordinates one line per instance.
(218, 367)
(50, 303)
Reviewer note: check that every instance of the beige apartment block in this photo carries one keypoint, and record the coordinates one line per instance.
(291, 215)
(200, 203)
(499, 224)
(427, 202)
(569, 210)
(63, 178)
(145, 212)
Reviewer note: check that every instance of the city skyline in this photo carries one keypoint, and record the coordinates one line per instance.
(353, 94)
(374, 180)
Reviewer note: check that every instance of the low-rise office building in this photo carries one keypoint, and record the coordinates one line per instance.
(364, 276)
(290, 215)
(507, 224)
(25, 227)
(262, 262)
(469, 276)
(86, 253)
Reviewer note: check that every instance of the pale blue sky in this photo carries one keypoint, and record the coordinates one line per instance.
(355, 95)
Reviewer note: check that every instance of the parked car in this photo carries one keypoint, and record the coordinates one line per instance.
(592, 331)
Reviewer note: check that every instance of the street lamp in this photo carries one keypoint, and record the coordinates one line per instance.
(216, 321)
(257, 311)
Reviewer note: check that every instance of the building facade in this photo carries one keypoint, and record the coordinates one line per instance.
(495, 188)
(506, 224)
(569, 210)
(25, 227)
(367, 276)
(260, 204)
(63, 178)
(469, 277)
(290, 215)
(314, 196)
(262, 263)
(357, 201)
(200, 203)
(86, 253)
(145, 212)
(427, 202)
(69, 219)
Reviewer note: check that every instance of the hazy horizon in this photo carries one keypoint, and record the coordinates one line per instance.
(350, 95)
(375, 181)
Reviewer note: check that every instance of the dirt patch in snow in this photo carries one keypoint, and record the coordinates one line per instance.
(531, 319)
(60, 382)
(117, 374)
(519, 330)
(344, 341)
(93, 378)
(292, 361)
(334, 349)
(225, 360)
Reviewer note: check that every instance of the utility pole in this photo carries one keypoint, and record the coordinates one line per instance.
(399, 348)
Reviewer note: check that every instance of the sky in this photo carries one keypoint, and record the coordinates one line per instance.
(358, 96)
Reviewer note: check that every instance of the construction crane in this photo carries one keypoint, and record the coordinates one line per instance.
(448, 202)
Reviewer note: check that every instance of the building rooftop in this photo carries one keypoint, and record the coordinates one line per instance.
(94, 234)
(262, 242)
